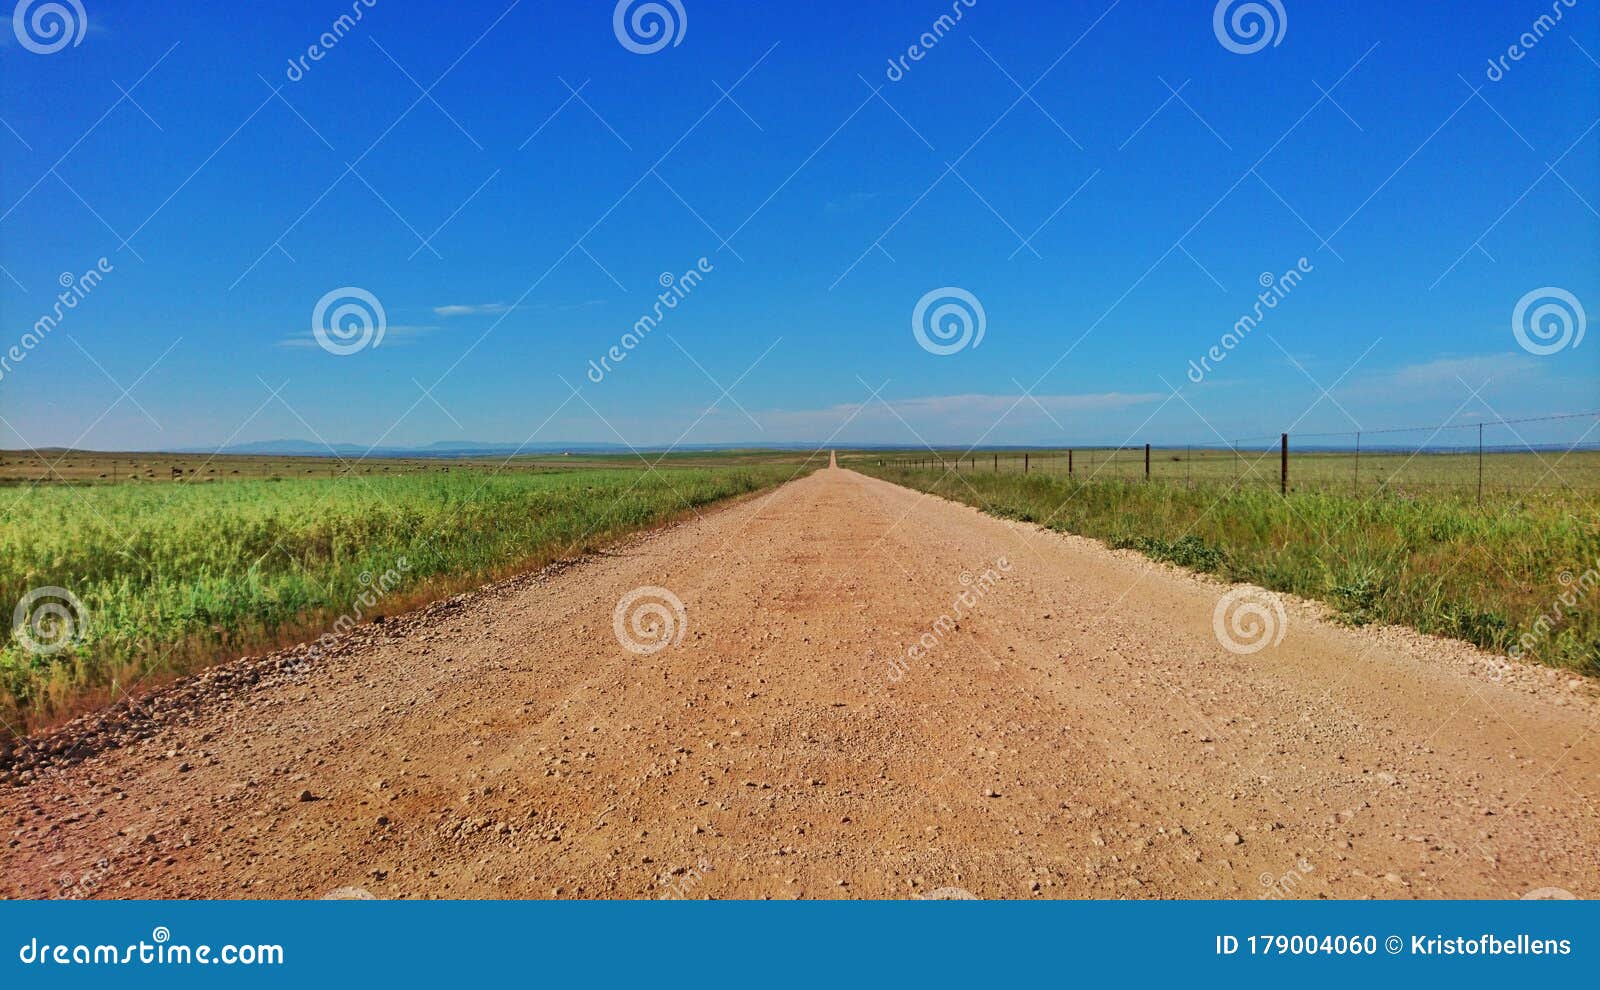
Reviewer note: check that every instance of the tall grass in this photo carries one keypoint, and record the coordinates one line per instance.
(1438, 563)
(1367, 473)
(172, 578)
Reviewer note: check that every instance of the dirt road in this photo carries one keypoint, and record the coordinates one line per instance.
(1068, 725)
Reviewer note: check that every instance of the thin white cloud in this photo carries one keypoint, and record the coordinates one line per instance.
(1444, 376)
(305, 340)
(1473, 370)
(944, 413)
(471, 309)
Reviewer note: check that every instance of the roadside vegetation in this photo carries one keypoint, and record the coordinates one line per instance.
(1494, 575)
(173, 577)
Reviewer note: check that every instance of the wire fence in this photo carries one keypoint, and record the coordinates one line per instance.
(1502, 457)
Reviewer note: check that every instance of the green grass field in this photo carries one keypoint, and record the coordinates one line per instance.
(1435, 561)
(1368, 473)
(176, 576)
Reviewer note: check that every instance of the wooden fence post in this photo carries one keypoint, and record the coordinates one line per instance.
(1024, 463)
(1147, 462)
(1480, 463)
(1283, 482)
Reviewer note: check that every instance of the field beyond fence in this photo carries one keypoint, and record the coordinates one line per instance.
(1542, 454)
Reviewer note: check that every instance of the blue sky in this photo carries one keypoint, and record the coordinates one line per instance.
(1035, 157)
